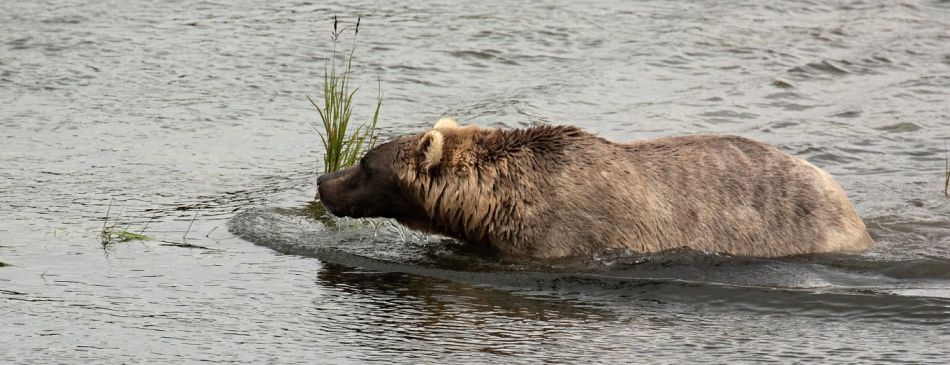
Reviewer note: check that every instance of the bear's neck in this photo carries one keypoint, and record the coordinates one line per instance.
(501, 198)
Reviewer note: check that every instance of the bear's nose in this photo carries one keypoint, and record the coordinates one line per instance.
(322, 178)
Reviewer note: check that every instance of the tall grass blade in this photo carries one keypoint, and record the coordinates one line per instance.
(342, 145)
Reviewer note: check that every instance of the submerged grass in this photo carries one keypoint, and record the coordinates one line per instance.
(125, 236)
(343, 146)
(111, 233)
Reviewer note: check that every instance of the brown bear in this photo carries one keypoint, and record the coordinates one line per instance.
(555, 191)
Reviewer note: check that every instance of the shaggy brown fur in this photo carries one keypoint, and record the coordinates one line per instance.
(550, 191)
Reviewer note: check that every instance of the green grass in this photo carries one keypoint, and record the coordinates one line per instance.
(111, 233)
(125, 236)
(343, 145)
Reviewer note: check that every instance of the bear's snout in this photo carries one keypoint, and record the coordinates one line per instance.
(320, 183)
(319, 180)
(336, 190)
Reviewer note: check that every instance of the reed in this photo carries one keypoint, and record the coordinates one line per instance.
(343, 146)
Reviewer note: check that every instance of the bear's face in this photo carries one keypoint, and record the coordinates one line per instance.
(475, 184)
(385, 183)
(368, 189)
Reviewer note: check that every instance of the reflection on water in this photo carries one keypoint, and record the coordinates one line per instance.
(394, 314)
(429, 301)
(180, 110)
(407, 315)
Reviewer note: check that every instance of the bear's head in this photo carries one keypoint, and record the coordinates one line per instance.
(477, 184)
(389, 179)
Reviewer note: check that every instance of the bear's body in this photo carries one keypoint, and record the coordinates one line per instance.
(547, 192)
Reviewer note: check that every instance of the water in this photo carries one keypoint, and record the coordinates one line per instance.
(190, 120)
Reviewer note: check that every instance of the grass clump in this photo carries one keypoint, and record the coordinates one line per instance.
(111, 233)
(343, 145)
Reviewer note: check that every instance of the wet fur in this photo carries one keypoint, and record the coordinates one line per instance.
(556, 191)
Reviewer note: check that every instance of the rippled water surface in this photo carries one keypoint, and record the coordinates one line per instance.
(189, 121)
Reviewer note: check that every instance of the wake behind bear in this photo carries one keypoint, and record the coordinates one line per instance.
(556, 191)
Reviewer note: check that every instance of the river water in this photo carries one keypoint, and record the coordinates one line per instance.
(188, 121)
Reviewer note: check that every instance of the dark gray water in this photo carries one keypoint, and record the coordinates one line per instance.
(191, 119)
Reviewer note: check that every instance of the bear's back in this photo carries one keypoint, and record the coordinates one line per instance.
(713, 193)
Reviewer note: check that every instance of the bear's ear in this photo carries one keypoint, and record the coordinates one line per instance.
(446, 123)
(430, 150)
